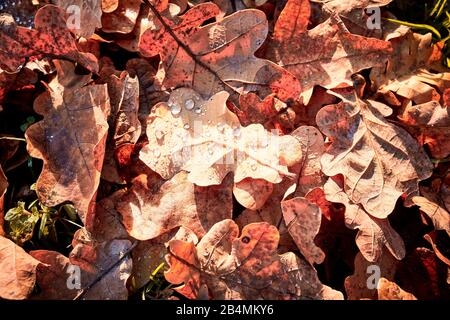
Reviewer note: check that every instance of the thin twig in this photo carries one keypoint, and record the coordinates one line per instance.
(86, 289)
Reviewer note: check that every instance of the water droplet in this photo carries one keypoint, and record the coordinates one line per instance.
(156, 153)
(206, 253)
(175, 109)
(198, 110)
(189, 104)
(220, 127)
(187, 126)
(264, 143)
(210, 149)
(238, 280)
(237, 131)
(159, 134)
(254, 166)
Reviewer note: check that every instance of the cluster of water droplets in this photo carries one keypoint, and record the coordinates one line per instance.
(22, 11)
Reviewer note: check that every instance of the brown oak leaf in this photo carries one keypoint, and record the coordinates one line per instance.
(71, 142)
(89, 15)
(229, 267)
(379, 161)
(123, 18)
(303, 219)
(218, 56)
(326, 55)
(206, 139)
(430, 123)
(373, 233)
(434, 209)
(407, 71)
(389, 290)
(103, 272)
(49, 38)
(354, 15)
(18, 271)
(362, 284)
(178, 202)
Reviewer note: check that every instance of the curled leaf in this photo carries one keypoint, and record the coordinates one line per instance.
(379, 160)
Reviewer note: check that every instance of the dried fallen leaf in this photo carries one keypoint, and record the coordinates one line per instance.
(218, 56)
(49, 38)
(308, 169)
(438, 215)
(178, 202)
(71, 141)
(326, 55)
(18, 271)
(379, 160)
(407, 72)
(373, 233)
(353, 14)
(362, 284)
(430, 123)
(89, 15)
(247, 267)
(389, 290)
(206, 139)
(303, 219)
(103, 272)
(123, 18)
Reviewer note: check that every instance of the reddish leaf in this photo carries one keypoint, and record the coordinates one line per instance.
(18, 271)
(326, 55)
(51, 37)
(219, 56)
(235, 268)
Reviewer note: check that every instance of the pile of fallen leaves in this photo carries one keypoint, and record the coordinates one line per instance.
(247, 149)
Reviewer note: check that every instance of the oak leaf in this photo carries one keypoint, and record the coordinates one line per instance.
(303, 220)
(356, 285)
(49, 38)
(430, 123)
(89, 15)
(247, 267)
(434, 209)
(178, 202)
(407, 72)
(389, 290)
(71, 142)
(206, 139)
(218, 56)
(373, 233)
(18, 271)
(326, 55)
(354, 15)
(104, 270)
(308, 170)
(379, 160)
(123, 18)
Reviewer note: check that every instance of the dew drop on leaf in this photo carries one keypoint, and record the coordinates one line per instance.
(175, 109)
(189, 104)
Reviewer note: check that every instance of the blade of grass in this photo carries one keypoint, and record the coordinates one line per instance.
(417, 26)
(435, 8)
